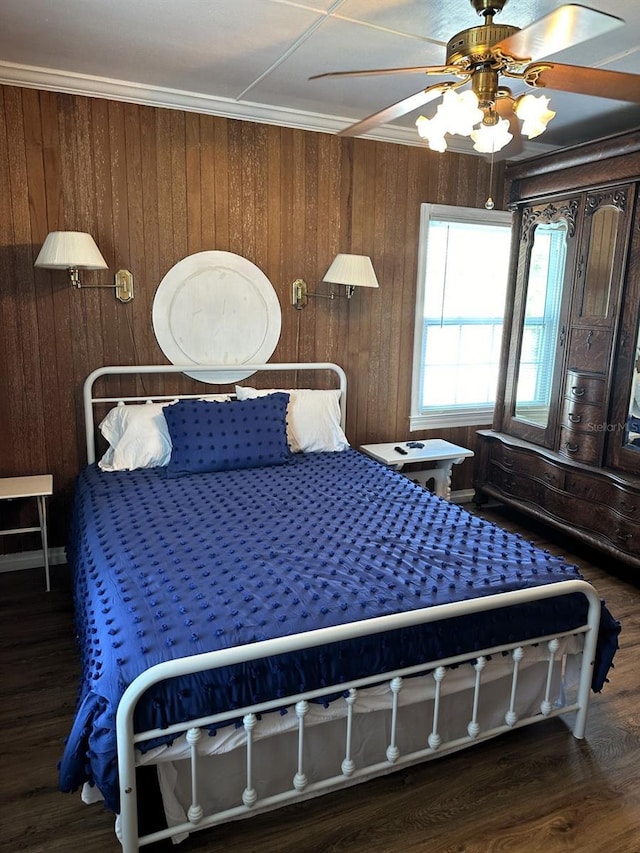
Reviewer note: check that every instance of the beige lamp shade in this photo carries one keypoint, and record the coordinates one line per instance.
(70, 250)
(354, 270)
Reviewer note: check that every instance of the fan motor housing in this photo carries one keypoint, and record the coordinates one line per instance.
(473, 46)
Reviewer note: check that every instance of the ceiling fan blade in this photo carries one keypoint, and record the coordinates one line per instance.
(615, 85)
(401, 108)
(565, 27)
(425, 69)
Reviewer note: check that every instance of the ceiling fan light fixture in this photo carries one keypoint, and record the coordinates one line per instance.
(433, 131)
(534, 112)
(481, 55)
(489, 138)
(459, 112)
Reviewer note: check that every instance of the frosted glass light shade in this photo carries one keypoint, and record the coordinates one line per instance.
(70, 250)
(354, 270)
(491, 138)
(534, 113)
(459, 112)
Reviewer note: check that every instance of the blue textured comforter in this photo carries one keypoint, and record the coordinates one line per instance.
(165, 568)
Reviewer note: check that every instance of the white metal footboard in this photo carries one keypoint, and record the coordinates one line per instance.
(348, 772)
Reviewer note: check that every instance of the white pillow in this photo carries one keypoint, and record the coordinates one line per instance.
(313, 418)
(138, 436)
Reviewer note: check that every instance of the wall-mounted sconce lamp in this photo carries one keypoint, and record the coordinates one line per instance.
(76, 250)
(351, 270)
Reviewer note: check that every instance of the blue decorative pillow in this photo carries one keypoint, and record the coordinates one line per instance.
(223, 436)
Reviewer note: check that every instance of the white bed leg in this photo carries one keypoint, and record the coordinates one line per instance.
(434, 738)
(349, 765)
(300, 779)
(586, 669)
(393, 753)
(249, 795)
(511, 718)
(474, 727)
(195, 813)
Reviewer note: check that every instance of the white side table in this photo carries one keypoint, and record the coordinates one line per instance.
(38, 487)
(443, 454)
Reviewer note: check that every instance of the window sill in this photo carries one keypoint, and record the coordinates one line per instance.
(451, 419)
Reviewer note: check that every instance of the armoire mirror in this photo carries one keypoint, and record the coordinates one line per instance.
(632, 425)
(541, 324)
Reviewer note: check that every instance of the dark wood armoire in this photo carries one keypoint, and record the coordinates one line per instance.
(565, 442)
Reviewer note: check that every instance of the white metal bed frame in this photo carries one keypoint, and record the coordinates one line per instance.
(347, 773)
(90, 399)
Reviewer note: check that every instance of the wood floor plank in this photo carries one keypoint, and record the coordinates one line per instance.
(532, 790)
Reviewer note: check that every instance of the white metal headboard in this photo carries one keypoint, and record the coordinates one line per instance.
(90, 400)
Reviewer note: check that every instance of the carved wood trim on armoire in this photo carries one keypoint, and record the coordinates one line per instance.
(565, 441)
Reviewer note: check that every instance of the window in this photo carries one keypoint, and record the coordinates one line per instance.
(462, 279)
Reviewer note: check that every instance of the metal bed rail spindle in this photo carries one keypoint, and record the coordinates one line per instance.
(300, 779)
(434, 738)
(393, 753)
(249, 795)
(348, 765)
(545, 705)
(196, 812)
(511, 717)
(474, 727)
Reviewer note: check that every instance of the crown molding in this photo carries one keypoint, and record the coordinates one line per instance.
(54, 80)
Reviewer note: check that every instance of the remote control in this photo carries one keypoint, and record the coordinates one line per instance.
(400, 450)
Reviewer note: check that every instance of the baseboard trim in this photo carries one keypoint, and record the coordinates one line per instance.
(31, 560)
(463, 496)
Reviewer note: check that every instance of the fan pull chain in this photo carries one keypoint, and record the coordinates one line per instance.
(489, 203)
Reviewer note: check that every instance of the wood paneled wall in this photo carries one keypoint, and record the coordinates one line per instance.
(153, 185)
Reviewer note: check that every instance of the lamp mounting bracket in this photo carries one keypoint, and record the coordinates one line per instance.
(123, 283)
(301, 293)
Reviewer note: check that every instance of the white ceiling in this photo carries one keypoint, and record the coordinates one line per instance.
(251, 59)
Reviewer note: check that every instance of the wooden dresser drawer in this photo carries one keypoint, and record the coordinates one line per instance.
(584, 507)
(581, 446)
(585, 387)
(624, 534)
(515, 486)
(529, 464)
(579, 484)
(583, 417)
(627, 504)
(583, 513)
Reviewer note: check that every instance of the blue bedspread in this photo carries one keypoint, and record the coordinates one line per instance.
(165, 568)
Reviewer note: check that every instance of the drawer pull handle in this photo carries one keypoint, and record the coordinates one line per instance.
(625, 507)
(571, 448)
(623, 537)
(578, 391)
(548, 477)
(575, 419)
(508, 461)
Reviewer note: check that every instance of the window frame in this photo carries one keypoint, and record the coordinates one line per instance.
(462, 416)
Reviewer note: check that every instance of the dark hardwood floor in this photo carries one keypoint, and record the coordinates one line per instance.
(532, 790)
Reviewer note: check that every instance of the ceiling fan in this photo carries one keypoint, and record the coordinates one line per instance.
(481, 56)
